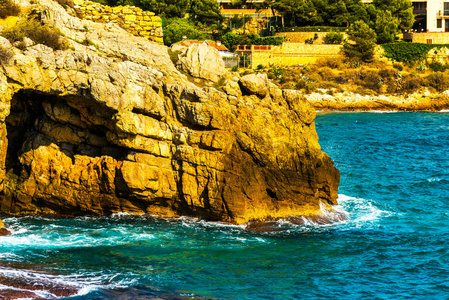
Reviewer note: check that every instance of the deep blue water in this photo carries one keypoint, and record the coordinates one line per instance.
(394, 185)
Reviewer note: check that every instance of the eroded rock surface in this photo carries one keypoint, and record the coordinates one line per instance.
(202, 61)
(116, 128)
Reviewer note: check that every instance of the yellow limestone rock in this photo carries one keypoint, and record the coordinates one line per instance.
(118, 128)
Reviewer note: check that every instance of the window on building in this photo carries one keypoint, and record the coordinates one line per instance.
(446, 8)
(419, 8)
(429, 41)
(439, 23)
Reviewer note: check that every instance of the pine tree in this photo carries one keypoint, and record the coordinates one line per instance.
(363, 42)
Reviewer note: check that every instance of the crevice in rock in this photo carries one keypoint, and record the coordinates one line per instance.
(271, 193)
(146, 113)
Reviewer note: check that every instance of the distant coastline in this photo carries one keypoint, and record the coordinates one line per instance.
(348, 101)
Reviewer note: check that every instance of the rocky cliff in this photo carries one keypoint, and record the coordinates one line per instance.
(115, 127)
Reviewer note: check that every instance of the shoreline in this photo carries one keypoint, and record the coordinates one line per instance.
(351, 102)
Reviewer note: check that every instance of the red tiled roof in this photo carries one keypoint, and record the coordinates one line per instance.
(187, 43)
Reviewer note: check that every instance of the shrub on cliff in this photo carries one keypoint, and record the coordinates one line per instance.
(438, 67)
(363, 42)
(439, 81)
(176, 29)
(334, 38)
(230, 40)
(388, 73)
(411, 83)
(8, 8)
(39, 33)
(370, 80)
(65, 3)
(5, 55)
(331, 62)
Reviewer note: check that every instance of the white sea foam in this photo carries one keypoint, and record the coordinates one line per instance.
(361, 210)
(433, 179)
(82, 283)
(64, 239)
(383, 111)
(125, 215)
(40, 293)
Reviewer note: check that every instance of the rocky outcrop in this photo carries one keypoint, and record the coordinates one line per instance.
(255, 84)
(202, 61)
(347, 101)
(116, 128)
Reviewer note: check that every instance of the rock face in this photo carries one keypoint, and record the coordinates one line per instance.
(202, 61)
(116, 128)
(255, 84)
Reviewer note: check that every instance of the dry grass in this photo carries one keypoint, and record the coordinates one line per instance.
(39, 33)
(8, 8)
(380, 77)
(5, 55)
(65, 3)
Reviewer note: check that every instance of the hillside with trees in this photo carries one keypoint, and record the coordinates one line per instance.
(380, 21)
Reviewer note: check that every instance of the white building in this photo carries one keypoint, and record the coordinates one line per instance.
(437, 12)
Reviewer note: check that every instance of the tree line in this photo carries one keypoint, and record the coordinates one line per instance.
(368, 23)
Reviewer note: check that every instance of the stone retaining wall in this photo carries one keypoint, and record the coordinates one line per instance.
(132, 19)
(427, 37)
(290, 54)
(301, 37)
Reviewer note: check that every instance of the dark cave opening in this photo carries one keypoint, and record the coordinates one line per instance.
(20, 122)
(33, 114)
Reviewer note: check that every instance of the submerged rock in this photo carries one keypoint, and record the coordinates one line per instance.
(117, 128)
(31, 281)
(3, 230)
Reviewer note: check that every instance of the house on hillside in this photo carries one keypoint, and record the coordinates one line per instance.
(432, 22)
(252, 20)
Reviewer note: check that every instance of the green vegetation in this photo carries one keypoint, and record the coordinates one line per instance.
(230, 40)
(408, 52)
(363, 42)
(338, 13)
(386, 27)
(385, 17)
(255, 39)
(8, 8)
(206, 12)
(438, 67)
(40, 34)
(334, 38)
(313, 29)
(175, 29)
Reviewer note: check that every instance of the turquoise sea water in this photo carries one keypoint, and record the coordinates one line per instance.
(394, 186)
